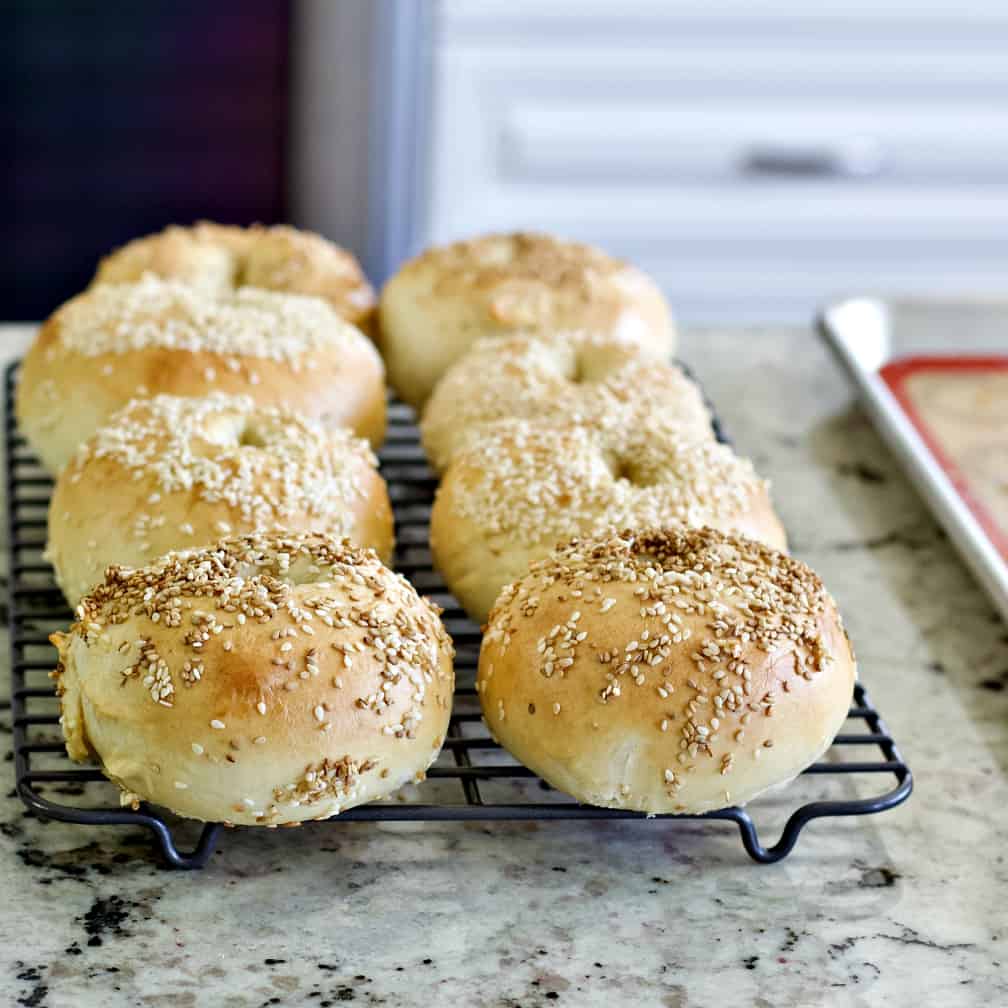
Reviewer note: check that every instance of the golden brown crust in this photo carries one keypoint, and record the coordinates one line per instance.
(523, 488)
(449, 297)
(559, 379)
(482, 265)
(118, 342)
(219, 259)
(666, 671)
(175, 473)
(264, 680)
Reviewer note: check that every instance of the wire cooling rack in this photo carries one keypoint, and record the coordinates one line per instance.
(474, 779)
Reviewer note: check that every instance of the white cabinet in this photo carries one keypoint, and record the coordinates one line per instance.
(757, 157)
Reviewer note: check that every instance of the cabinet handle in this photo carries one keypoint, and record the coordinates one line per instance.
(857, 159)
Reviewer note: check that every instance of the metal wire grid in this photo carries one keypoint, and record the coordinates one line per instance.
(472, 765)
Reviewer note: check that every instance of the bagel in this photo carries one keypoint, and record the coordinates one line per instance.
(219, 259)
(524, 488)
(117, 342)
(440, 303)
(666, 670)
(263, 680)
(568, 377)
(173, 473)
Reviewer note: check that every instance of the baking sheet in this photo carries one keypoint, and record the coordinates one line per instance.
(866, 334)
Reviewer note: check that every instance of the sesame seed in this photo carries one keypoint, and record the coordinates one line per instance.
(217, 723)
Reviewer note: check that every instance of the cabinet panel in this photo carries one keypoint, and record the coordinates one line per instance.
(748, 141)
(566, 19)
(772, 156)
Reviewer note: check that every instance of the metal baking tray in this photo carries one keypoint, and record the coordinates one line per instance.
(866, 334)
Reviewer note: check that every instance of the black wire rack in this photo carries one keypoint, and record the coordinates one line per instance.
(474, 779)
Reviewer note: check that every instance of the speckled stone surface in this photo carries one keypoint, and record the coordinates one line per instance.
(905, 908)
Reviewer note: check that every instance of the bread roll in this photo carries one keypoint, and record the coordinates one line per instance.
(219, 259)
(666, 671)
(117, 342)
(173, 473)
(566, 377)
(524, 488)
(264, 680)
(437, 305)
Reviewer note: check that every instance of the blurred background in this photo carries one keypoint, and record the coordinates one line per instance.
(757, 157)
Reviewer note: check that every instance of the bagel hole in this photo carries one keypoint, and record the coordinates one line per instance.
(251, 436)
(596, 363)
(586, 368)
(239, 270)
(624, 468)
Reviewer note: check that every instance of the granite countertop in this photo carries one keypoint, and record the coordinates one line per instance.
(902, 908)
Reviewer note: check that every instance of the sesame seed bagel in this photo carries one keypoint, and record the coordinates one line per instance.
(218, 259)
(524, 488)
(264, 680)
(440, 303)
(568, 376)
(666, 671)
(117, 342)
(173, 473)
